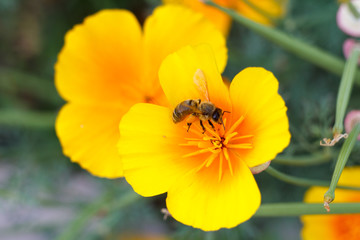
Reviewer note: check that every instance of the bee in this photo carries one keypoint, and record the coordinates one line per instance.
(195, 108)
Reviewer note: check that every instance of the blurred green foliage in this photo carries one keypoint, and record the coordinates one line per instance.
(42, 194)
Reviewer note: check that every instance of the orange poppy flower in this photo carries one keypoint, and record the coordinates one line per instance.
(108, 63)
(263, 11)
(205, 170)
(334, 227)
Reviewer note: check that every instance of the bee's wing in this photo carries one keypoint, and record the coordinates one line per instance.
(200, 83)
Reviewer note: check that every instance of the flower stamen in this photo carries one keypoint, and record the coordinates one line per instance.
(229, 137)
(201, 151)
(227, 157)
(220, 166)
(240, 146)
(218, 143)
(189, 143)
(213, 133)
(242, 137)
(234, 126)
(210, 159)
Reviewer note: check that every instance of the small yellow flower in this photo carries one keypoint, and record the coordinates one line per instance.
(108, 63)
(334, 227)
(262, 11)
(206, 175)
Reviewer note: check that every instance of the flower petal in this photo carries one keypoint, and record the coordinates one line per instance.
(268, 10)
(177, 72)
(171, 27)
(335, 226)
(100, 60)
(348, 46)
(254, 95)
(220, 19)
(200, 200)
(88, 135)
(150, 151)
(346, 20)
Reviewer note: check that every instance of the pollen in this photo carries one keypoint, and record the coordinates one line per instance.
(217, 145)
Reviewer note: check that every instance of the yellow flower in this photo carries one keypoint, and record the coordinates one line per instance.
(334, 227)
(262, 11)
(109, 63)
(207, 175)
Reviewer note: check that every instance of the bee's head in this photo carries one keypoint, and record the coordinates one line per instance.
(217, 116)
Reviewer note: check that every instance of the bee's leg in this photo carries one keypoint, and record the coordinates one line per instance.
(202, 126)
(189, 124)
(212, 125)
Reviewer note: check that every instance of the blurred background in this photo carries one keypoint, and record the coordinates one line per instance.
(45, 196)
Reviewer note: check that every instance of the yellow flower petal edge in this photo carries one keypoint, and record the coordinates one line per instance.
(220, 19)
(265, 11)
(333, 227)
(104, 68)
(200, 200)
(177, 74)
(205, 169)
(172, 27)
(149, 150)
(98, 54)
(264, 113)
(82, 137)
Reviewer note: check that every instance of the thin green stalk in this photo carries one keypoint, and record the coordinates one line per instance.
(74, 228)
(302, 181)
(353, 10)
(344, 91)
(301, 49)
(298, 209)
(259, 10)
(340, 164)
(303, 161)
(26, 118)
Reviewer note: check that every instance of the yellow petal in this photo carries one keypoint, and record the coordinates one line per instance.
(254, 95)
(349, 177)
(88, 135)
(150, 150)
(318, 227)
(221, 20)
(264, 11)
(177, 73)
(100, 60)
(333, 227)
(171, 27)
(200, 200)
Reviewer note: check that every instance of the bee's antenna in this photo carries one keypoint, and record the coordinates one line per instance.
(223, 115)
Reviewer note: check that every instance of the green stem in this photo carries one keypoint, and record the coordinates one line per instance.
(301, 181)
(353, 9)
(303, 161)
(346, 83)
(103, 203)
(261, 11)
(301, 49)
(27, 118)
(298, 209)
(341, 161)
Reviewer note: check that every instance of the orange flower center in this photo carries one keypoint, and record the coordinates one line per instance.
(216, 144)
